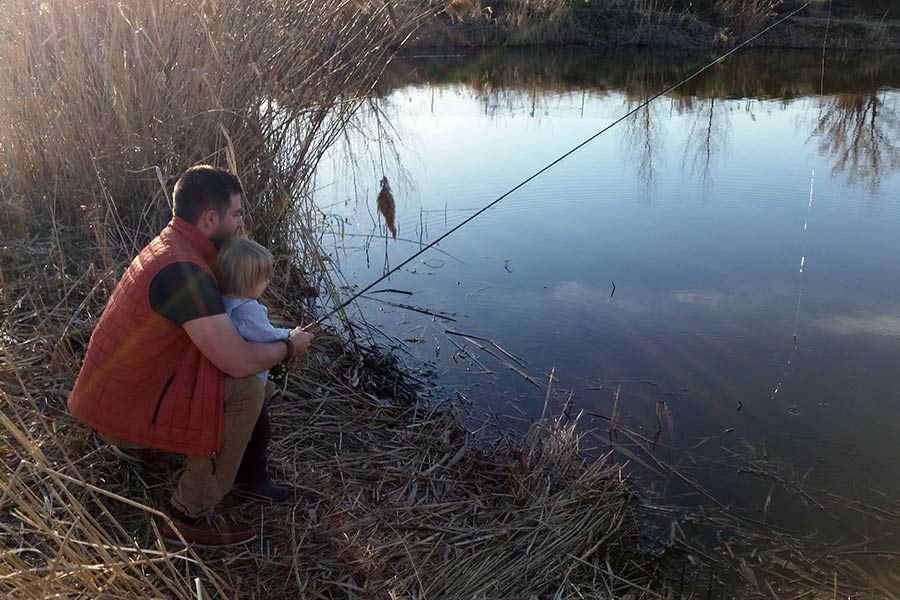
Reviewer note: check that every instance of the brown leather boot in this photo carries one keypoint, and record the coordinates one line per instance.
(213, 530)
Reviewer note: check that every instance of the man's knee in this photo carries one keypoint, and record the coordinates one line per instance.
(246, 392)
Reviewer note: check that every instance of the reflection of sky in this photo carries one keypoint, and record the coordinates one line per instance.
(706, 268)
(862, 323)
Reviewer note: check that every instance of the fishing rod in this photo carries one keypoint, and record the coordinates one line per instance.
(555, 162)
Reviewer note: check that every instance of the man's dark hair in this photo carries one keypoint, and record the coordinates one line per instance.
(203, 187)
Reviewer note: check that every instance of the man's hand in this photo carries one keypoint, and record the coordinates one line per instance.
(219, 341)
(301, 340)
(313, 328)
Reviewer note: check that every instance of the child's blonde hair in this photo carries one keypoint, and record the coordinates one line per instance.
(242, 265)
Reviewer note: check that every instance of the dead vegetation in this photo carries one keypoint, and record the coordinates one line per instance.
(866, 25)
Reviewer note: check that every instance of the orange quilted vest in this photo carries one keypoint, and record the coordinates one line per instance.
(143, 380)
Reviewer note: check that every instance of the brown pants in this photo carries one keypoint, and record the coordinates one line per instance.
(204, 482)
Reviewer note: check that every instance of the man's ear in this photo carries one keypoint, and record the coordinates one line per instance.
(209, 218)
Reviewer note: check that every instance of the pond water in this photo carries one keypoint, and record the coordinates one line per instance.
(726, 258)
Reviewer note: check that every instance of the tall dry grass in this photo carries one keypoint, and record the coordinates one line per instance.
(660, 23)
(743, 18)
(105, 102)
(561, 22)
(600, 22)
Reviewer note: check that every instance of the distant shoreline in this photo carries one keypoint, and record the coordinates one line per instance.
(599, 27)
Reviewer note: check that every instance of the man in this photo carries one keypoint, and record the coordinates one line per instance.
(165, 367)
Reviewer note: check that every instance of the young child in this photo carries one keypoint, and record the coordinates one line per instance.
(243, 269)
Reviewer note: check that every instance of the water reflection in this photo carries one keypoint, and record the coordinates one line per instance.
(861, 132)
(643, 139)
(708, 137)
(858, 125)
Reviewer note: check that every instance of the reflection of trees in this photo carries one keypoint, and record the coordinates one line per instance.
(643, 135)
(857, 126)
(749, 74)
(707, 137)
(860, 131)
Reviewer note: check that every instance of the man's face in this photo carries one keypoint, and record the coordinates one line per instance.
(230, 223)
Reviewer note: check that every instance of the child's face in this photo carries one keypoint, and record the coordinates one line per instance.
(257, 291)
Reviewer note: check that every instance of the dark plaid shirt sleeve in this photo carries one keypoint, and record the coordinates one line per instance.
(183, 291)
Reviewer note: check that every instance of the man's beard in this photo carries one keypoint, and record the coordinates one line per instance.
(220, 238)
(218, 241)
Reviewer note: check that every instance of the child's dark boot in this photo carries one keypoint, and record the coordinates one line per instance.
(253, 479)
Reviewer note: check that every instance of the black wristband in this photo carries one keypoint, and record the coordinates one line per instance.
(290, 348)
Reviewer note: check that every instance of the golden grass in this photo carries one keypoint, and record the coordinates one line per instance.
(863, 26)
(105, 102)
(549, 22)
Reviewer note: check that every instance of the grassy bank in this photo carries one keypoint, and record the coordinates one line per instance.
(103, 104)
(870, 25)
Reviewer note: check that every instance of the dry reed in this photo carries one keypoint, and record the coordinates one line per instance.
(858, 24)
(105, 103)
(750, 550)
(563, 22)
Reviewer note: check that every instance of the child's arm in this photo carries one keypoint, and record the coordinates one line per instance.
(252, 321)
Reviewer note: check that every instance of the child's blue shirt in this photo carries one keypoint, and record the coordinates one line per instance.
(251, 319)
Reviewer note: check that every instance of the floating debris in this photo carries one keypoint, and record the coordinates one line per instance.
(387, 207)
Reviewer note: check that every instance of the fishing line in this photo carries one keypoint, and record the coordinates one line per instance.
(559, 160)
(790, 360)
(809, 205)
